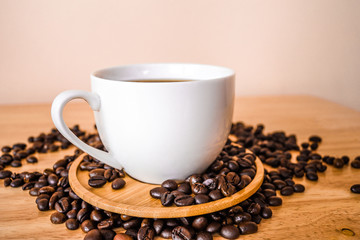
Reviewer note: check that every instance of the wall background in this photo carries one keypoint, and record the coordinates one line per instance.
(275, 47)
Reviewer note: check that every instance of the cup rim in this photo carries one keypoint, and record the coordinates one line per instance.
(225, 72)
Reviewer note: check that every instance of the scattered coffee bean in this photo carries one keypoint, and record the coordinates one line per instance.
(118, 183)
(229, 232)
(167, 199)
(17, 182)
(181, 233)
(274, 201)
(184, 200)
(57, 218)
(248, 227)
(72, 224)
(157, 192)
(170, 185)
(122, 236)
(97, 181)
(355, 188)
(5, 174)
(299, 188)
(94, 234)
(287, 191)
(204, 236)
(87, 226)
(146, 233)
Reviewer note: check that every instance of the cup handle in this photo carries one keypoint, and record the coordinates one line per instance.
(57, 116)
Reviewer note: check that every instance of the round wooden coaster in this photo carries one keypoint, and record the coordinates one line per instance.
(135, 200)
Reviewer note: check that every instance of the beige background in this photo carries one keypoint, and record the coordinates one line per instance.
(276, 47)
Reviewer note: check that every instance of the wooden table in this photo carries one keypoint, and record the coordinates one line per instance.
(320, 212)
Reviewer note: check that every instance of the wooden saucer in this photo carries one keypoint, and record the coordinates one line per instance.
(135, 200)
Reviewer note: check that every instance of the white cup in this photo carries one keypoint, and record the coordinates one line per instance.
(156, 130)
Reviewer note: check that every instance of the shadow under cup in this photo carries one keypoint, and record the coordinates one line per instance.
(162, 121)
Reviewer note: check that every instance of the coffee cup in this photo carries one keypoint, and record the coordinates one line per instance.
(157, 121)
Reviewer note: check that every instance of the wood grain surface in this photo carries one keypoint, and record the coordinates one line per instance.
(134, 199)
(326, 207)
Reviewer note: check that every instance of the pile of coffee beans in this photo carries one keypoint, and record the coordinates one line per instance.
(53, 192)
(232, 170)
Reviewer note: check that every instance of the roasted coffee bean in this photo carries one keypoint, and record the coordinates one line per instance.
(107, 234)
(53, 179)
(21, 146)
(355, 163)
(17, 182)
(47, 190)
(54, 198)
(60, 163)
(118, 183)
(73, 195)
(94, 234)
(122, 236)
(213, 227)
(287, 191)
(312, 176)
(184, 200)
(7, 182)
(87, 226)
(266, 212)
(96, 216)
(170, 185)
(57, 218)
(177, 193)
(63, 205)
(111, 174)
(256, 219)
(125, 217)
(210, 183)
(97, 181)
(245, 180)
(216, 166)
(72, 224)
(16, 163)
(269, 192)
(201, 198)
(299, 188)
(71, 214)
(215, 194)
(184, 187)
(200, 223)
(96, 172)
(157, 192)
(227, 189)
(167, 199)
(34, 191)
(82, 215)
(254, 209)
(274, 201)
(355, 188)
(203, 236)
(242, 217)
(315, 138)
(338, 163)
(5, 174)
(248, 227)
(229, 232)
(158, 225)
(199, 188)
(146, 233)
(233, 178)
(106, 224)
(279, 184)
(171, 222)
(43, 204)
(181, 233)
(6, 149)
(63, 182)
(166, 233)
(132, 223)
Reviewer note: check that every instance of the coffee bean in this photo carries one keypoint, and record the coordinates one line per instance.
(53, 179)
(199, 188)
(96, 216)
(266, 212)
(210, 183)
(279, 184)
(87, 226)
(63, 205)
(118, 183)
(184, 200)
(6, 149)
(269, 192)
(215, 194)
(157, 192)
(315, 138)
(287, 191)
(248, 227)
(170, 185)
(107, 234)
(274, 201)
(16, 163)
(96, 172)
(312, 176)
(227, 189)
(111, 174)
(180, 233)
(233, 178)
(166, 233)
(17, 182)
(46, 190)
(245, 180)
(203, 236)
(94, 234)
(72, 224)
(97, 181)
(106, 224)
(54, 198)
(132, 223)
(200, 223)
(146, 233)
(167, 199)
(60, 163)
(122, 236)
(242, 217)
(57, 218)
(34, 191)
(5, 174)
(82, 215)
(338, 163)
(229, 232)
(158, 225)
(299, 188)
(355, 188)
(43, 204)
(7, 182)
(184, 187)
(71, 214)
(213, 227)
(355, 163)
(201, 198)
(254, 209)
